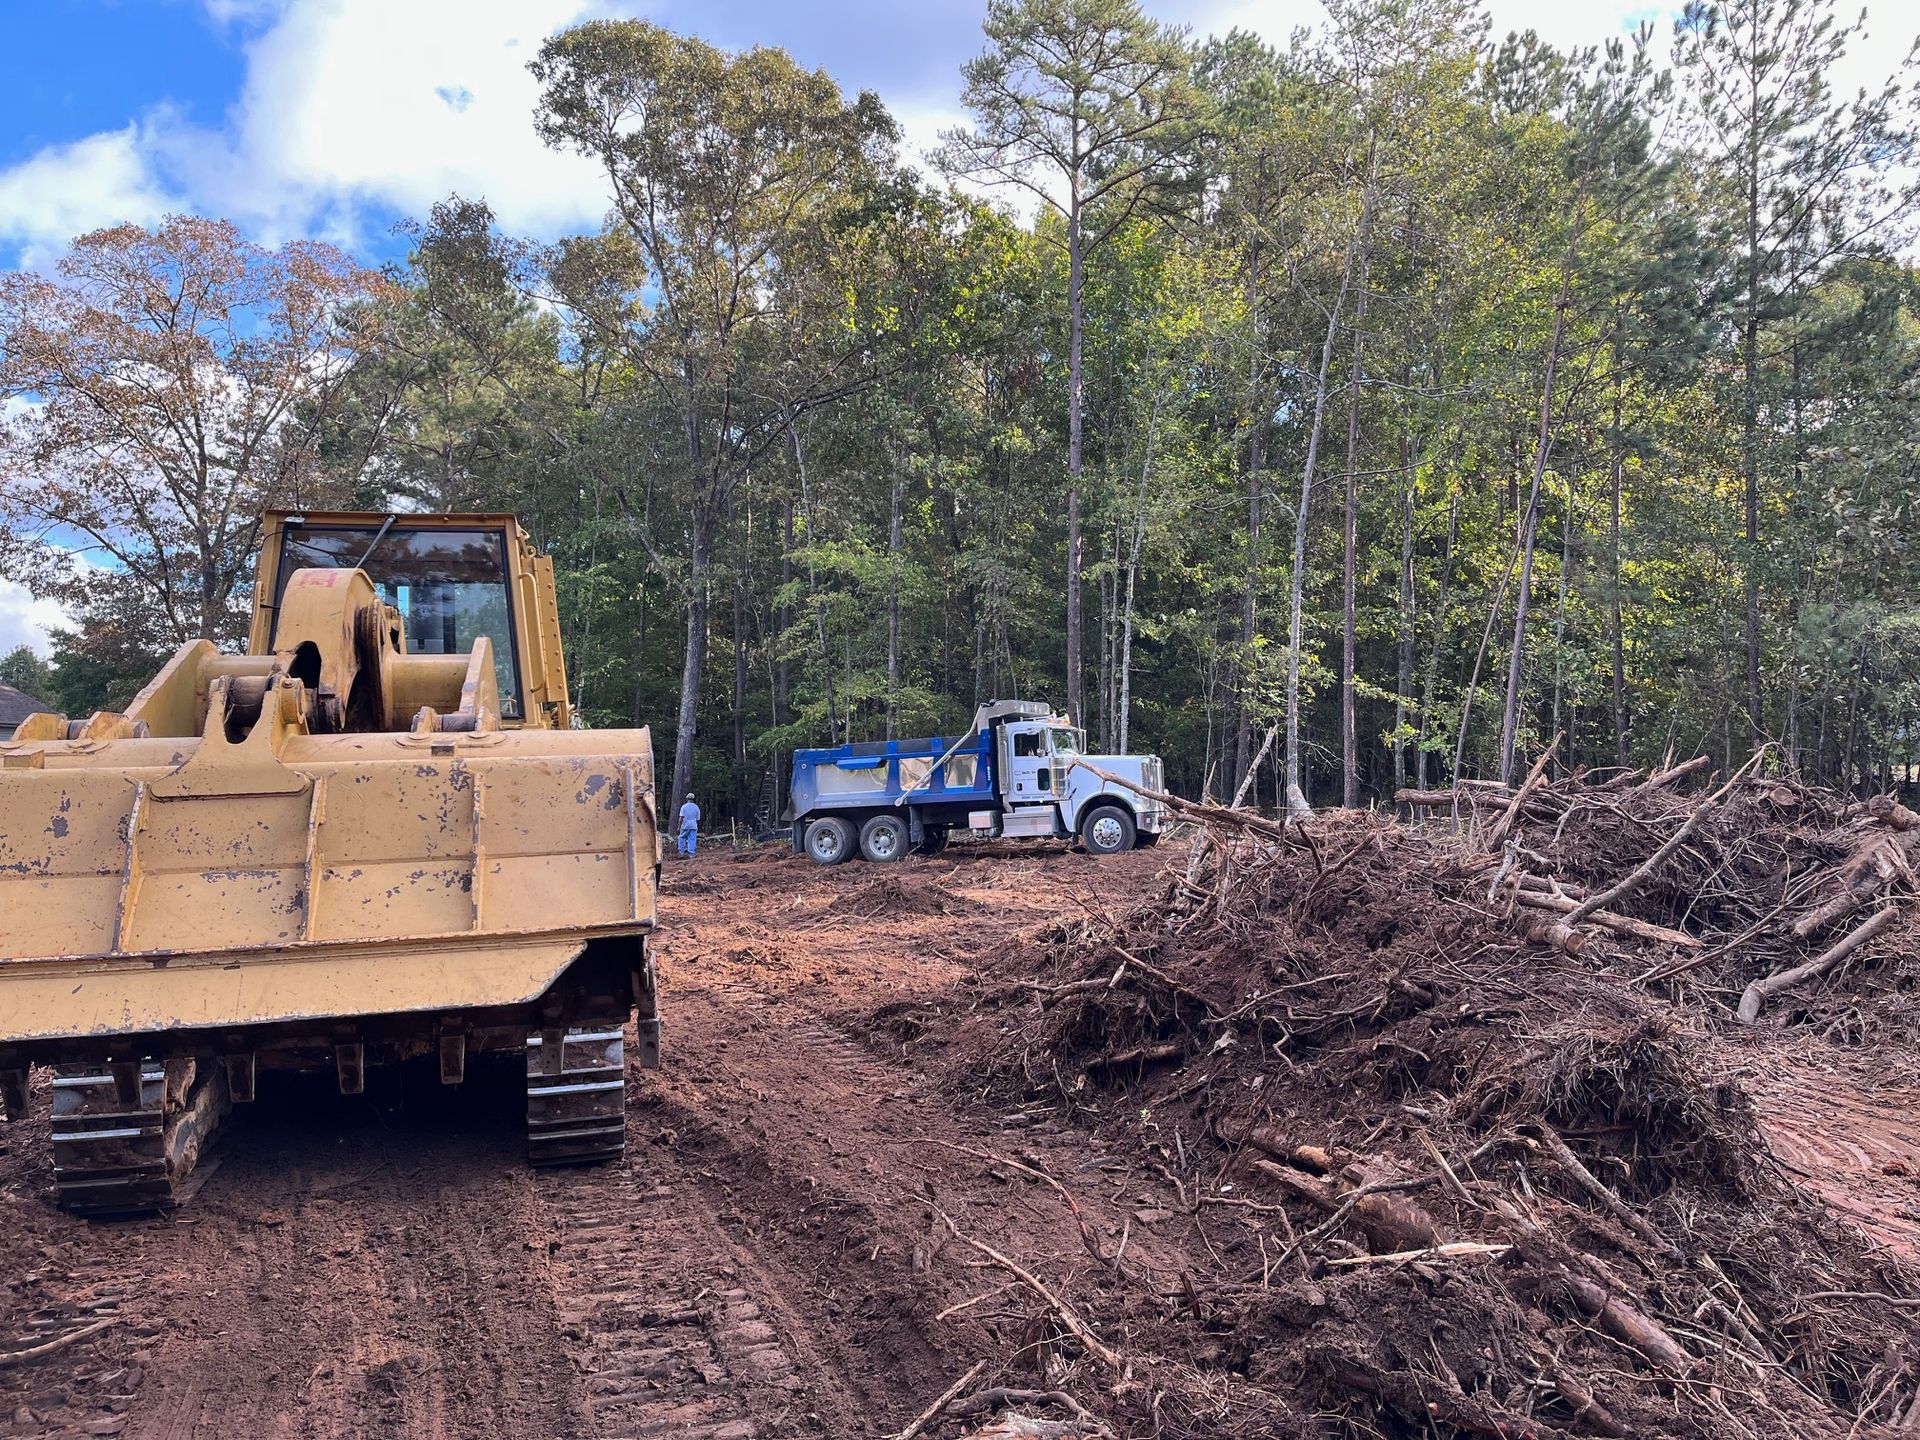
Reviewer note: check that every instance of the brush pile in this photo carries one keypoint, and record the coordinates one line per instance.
(1454, 1113)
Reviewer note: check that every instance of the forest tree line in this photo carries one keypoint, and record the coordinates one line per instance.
(1347, 416)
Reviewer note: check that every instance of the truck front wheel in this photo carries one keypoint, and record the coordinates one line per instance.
(883, 838)
(1107, 830)
(829, 840)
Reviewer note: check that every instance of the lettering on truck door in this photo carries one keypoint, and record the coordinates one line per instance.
(1029, 766)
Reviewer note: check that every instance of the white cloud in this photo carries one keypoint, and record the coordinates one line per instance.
(25, 620)
(352, 101)
(70, 189)
(352, 110)
(347, 106)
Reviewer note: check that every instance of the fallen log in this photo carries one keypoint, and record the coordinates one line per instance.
(1587, 1411)
(1527, 787)
(1086, 1423)
(1615, 1314)
(1138, 1055)
(1204, 813)
(1864, 874)
(1558, 934)
(1386, 1221)
(1400, 1225)
(927, 1416)
(1431, 799)
(1779, 980)
(1452, 1250)
(1676, 772)
(72, 1337)
(1608, 919)
(1627, 1323)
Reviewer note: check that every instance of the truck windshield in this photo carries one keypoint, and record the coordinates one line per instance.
(1065, 743)
(450, 586)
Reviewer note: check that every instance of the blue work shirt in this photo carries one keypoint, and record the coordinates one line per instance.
(689, 817)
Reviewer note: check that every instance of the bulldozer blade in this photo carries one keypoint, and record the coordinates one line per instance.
(400, 877)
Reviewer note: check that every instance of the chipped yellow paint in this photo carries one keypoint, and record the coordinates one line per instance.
(215, 857)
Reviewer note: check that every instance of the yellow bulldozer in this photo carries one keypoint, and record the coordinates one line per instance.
(375, 836)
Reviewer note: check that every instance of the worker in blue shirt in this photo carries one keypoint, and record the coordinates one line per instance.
(689, 827)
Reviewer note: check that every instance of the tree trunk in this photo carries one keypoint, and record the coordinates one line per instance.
(1298, 582)
(781, 676)
(1750, 425)
(639, 717)
(813, 592)
(893, 607)
(1616, 448)
(1403, 670)
(1076, 326)
(1530, 519)
(1248, 669)
(1349, 602)
(1432, 679)
(741, 796)
(694, 664)
(1560, 627)
(1125, 706)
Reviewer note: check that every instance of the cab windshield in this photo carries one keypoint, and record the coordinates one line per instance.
(450, 586)
(1065, 742)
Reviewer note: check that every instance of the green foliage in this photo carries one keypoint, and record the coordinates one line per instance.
(26, 672)
(802, 431)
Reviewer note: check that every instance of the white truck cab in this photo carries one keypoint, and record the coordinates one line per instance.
(1050, 786)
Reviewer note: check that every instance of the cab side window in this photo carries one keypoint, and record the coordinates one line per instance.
(1026, 744)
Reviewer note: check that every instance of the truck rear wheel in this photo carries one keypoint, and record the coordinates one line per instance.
(1107, 830)
(883, 838)
(933, 840)
(829, 840)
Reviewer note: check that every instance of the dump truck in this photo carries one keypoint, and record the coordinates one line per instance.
(1018, 770)
(376, 836)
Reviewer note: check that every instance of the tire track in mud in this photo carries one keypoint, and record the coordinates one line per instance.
(829, 1147)
(1850, 1137)
(347, 1273)
(658, 1350)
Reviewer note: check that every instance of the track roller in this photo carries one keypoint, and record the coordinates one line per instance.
(576, 1096)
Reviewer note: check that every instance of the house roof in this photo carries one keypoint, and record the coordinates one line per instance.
(16, 705)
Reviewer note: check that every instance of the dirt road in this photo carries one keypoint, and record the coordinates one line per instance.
(770, 1259)
(758, 1265)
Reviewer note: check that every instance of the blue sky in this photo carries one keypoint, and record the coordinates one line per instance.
(334, 118)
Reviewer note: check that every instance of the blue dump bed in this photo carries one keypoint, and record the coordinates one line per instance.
(877, 772)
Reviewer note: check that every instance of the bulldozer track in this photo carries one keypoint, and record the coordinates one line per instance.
(658, 1352)
(130, 1144)
(576, 1096)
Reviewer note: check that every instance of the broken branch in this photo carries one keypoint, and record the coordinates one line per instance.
(1773, 984)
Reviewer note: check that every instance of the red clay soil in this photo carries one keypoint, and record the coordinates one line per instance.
(1847, 1128)
(761, 1264)
(864, 1161)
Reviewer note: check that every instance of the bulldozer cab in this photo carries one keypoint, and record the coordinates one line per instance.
(452, 579)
